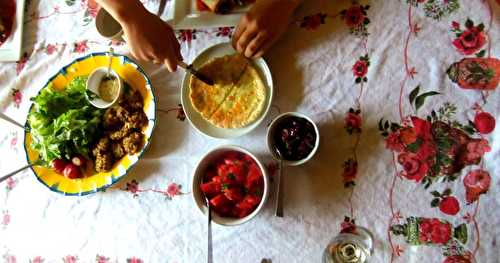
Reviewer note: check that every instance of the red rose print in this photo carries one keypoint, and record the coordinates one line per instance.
(476, 182)
(50, 49)
(5, 218)
(9, 258)
(422, 128)
(92, 7)
(80, 47)
(434, 231)
(476, 148)
(187, 35)
(132, 187)
(449, 205)
(393, 142)
(470, 41)
(354, 16)
(70, 259)
(101, 259)
(458, 259)
(426, 150)
(224, 31)
(21, 63)
(350, 172)
(10, 183)
(360, 68)
(455, 25)
(352, 122)
(173, 189)
(17, 97)
(37, 259)
(408, 135)
(414, 168)
(313, 21)
(484, 122)
(134, 260)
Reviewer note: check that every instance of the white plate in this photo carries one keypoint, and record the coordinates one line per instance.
(11, 49)
(203, 125)
(183, 14)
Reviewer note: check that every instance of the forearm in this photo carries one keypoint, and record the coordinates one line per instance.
(122, 10)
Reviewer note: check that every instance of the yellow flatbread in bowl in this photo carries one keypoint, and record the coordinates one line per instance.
(236, 99)
(232, 72)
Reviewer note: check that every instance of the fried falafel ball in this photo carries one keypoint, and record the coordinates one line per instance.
(101, 147)
(117, 149)
(104, 162)
(133, 142)
(111, 118)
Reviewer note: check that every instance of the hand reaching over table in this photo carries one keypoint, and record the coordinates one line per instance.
(149, 37)
(264, 23)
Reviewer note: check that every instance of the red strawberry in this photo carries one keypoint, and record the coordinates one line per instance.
(58, 165)
(449, 205)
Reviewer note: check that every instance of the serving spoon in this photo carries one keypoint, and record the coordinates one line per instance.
(7, 118)
(5, 177)
(209, 230)
(279, 198)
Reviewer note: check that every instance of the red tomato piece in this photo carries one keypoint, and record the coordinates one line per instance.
(242, 209)
(209, 175)
(222, 205)
(222, 169)
(256, 190)
(248, 159)
(219, 201)
(254, 177)
(233, 194)
(238, 173)
(211, 189)
(252, 200)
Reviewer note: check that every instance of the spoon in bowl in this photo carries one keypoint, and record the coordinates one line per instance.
(111, 55)
(279, 193)
(209, 230)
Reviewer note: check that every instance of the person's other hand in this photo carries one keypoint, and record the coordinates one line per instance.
(264, 23)
(151, 39)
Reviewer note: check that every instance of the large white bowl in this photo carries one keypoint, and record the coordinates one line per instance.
(270, 139)
(195, 118)
(207, 160)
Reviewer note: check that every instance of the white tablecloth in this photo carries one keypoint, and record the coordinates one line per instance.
(312, 66)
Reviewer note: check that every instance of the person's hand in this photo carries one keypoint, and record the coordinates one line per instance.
(151, 39)
(264, 23)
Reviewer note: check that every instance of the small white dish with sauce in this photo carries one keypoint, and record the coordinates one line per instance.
(103, 91)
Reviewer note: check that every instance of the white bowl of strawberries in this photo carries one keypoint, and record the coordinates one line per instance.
(235, 183)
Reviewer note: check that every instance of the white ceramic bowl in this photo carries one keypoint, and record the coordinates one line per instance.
(195, 118)
(93, 83)
(208, 159)
(270, 139)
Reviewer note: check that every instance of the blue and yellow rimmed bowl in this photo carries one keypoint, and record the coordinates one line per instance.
(131, 73)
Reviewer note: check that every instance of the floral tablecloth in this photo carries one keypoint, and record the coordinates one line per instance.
(405, 94)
